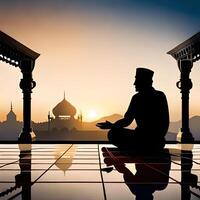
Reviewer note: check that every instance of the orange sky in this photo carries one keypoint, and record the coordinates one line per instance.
(93, 58)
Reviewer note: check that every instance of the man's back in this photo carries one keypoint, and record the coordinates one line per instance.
(150, 110)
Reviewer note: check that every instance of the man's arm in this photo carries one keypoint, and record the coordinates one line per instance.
(104, 125)
(129, 115)
(122, 122)
(128, 118)
(118, 124)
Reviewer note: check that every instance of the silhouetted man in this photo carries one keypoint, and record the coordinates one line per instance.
(149, 109)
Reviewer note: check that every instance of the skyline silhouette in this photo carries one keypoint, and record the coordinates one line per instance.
(9, 129)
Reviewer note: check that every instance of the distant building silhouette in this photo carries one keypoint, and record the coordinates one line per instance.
(63, 124)
(11, 116)
(10, 128)
(64, 117)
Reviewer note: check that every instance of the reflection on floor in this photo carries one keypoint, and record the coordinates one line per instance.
(94, 171)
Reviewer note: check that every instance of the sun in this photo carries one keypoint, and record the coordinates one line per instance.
(92, 115)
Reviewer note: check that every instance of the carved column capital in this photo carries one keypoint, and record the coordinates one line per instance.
(185, 65)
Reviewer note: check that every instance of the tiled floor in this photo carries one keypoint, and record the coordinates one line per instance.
(88, 172)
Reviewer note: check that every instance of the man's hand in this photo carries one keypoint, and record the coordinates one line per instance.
(104, 125)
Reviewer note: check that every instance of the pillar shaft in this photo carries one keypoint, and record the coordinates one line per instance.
(185, 84)
(26, 84)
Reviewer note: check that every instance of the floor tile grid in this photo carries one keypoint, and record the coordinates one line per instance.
(11, 186)
(192, 190)
(149, 165)
(84, 148)
(19, 193)
(10, 164)
(53, 163)
(93, 148)
(172, 178)
(2, 164)
(102, 180)
(117, 182)
(193, 160)
(80, 150)
(74, 158)
(87, 151)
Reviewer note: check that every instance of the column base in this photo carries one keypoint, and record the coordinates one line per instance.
(26, 137)
(184, 137)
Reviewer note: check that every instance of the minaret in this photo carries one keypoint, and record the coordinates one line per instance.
(11, 107)
(11, 116)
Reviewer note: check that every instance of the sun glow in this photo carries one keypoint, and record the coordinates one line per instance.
(92, 115)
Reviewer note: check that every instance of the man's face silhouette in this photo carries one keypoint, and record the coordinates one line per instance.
(139, 85)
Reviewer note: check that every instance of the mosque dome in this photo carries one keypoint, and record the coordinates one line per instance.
(64, 108)
(11, 116)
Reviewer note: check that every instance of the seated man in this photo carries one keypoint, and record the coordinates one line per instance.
(150, 110)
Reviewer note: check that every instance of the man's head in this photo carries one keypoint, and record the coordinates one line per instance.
(143, 79)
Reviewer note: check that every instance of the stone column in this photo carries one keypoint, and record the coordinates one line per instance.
(185, 84)
(26, 84)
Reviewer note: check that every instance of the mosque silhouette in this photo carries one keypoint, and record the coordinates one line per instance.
(64, 117)
(62, 120)
(10, 125)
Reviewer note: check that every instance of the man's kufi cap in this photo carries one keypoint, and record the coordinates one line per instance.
(144, 74)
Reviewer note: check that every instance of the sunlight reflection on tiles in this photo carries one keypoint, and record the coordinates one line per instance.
(114, 176)
(85, 161)
(86, 153)
(86, 145)
(172, 191)
(71, 176)
(2, 162)
(12, 166)
(160, 193)
(72, 191)
(86, 150)
(175, 175)
(74, 166)
(118, 191)
(175, 166)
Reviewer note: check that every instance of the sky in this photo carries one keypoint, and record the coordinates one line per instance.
(91, 48)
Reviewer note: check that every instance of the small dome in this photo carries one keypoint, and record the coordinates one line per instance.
(11, 116)
(64, 108)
